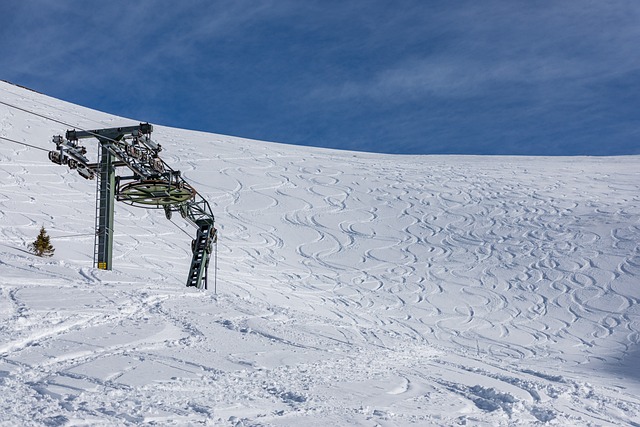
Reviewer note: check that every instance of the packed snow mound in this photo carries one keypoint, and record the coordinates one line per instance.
(352, 288)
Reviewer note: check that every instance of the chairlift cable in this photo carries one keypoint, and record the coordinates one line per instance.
(73, 235)
(36, 114)
(180, 228)
(58, 121)
(215, 270)
(22, 143)
(70, 126)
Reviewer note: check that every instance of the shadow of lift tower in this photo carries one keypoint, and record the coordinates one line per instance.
(153, 185)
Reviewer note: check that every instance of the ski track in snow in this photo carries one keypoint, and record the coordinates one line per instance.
(354, 289)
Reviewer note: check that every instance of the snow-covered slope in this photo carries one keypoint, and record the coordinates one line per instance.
(353, 289)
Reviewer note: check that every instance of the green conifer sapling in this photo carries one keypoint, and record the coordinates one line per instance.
(41, 246)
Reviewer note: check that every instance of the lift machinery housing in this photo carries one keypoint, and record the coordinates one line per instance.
(150, 184)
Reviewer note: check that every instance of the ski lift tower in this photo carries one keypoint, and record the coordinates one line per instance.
(153, 185)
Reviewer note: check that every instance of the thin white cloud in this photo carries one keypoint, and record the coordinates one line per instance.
(461, 77)
(556, 44)
(77, 41)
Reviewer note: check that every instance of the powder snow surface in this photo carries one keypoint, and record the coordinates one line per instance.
(353, 289)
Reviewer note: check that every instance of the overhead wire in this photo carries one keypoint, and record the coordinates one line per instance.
(22, 143)
(66, 112)
(36, 114)
(73, 235)
(70, 125)
(53, 120)
(181, 229)
(63, 123)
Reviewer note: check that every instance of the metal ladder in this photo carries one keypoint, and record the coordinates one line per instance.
(103, 242)
(201, 247)
(97, 216)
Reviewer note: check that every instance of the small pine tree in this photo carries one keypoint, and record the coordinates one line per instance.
(41, 246)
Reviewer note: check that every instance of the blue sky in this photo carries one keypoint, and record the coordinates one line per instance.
(423, 77)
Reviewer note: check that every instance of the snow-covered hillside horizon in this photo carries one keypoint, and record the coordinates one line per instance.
(353, 289)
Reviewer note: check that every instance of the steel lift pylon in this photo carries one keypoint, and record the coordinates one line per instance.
(153, 185)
